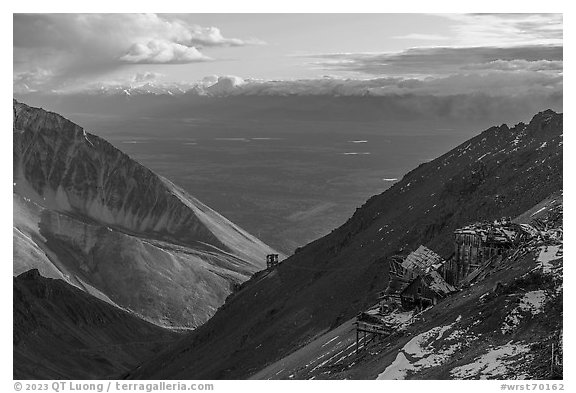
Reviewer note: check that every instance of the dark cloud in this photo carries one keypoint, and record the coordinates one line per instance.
(437, 60)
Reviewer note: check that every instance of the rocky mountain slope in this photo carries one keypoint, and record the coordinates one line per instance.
(88, 214)
(61, 332)
(504, 171)
(501, 326)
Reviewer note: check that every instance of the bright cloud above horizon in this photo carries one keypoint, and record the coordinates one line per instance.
(377, 54)
(58, 48)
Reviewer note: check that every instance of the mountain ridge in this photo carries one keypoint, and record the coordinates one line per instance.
(87, 213)
(102, 187)
(62, 332)
(329, 280)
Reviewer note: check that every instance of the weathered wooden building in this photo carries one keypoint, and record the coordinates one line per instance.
(476, 244)
(421, 261)
(403, 271)
(425, 290)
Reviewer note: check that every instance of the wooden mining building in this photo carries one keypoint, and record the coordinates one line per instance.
(414, 284)
(476, 244)
(419, 266)
(423, 278)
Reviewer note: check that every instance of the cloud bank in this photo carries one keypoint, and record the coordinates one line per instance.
(492, 71)
(506, 29)
(514, 55)
(443, 60)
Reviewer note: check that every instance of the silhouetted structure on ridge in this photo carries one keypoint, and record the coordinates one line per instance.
(272, 261)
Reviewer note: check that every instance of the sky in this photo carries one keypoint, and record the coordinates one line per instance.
(307, 53)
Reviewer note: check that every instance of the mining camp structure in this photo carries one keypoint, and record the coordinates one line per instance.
(272, 261)
(478, 243)
(423, 278)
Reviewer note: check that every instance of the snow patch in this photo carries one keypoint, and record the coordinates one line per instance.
(548, 254)
(496, 363)
(482, 156)
(532, 302)
(538, 211)
(421, 350)
(398, 369)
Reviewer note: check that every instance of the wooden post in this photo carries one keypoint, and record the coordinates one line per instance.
(552, 363)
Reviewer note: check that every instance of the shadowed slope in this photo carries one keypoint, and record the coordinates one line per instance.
(501, 172)
(61, 332)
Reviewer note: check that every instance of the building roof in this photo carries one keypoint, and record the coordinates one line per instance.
(499, 231)
(422, 260)
(436, 283)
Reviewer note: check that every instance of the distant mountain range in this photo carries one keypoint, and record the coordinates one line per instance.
(406, 113)
(504, 171)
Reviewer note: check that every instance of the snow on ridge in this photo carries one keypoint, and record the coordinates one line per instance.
(516, 140)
